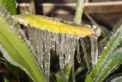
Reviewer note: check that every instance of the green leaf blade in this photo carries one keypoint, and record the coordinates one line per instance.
(110, 65)
(106, 54)
(19, 52)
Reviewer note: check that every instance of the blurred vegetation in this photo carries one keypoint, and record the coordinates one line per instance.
(18, 64)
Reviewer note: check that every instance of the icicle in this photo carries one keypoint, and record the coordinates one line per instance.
(41, 48)
(78, 50)
(85, 52)
(47, 55)
(58, 43)
(61, 54)
(72, 52)
(32, 37)
(94, 49)
(67, 54)
(53, 40)
(94, 45)
(41, 40)
(35, 40)
(73, 70)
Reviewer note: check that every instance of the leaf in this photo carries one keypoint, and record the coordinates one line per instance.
(16, 52)
(10, 5)
(106, 54)
(46, 23)
(111, 64)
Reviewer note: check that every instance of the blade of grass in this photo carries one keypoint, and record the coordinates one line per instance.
(17, 52)
(111, 64)
(51, 25)
(79, 11)
(106, 53)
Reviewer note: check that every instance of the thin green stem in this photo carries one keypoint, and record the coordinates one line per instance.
(79, 11)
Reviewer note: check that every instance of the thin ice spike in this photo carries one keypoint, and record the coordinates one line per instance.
(61, 55)
(78, 51)
(72, 57)
(94, 49)
(85, 52)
